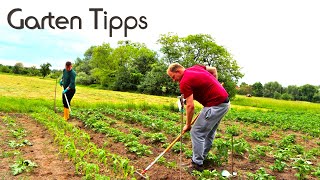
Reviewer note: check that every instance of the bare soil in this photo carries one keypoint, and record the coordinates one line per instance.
(43, 152)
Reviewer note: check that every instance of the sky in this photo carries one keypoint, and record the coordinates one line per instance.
(271, 40)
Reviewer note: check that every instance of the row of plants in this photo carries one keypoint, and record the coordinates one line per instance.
(16, 144)
(90, 161)
(302, 121)
(133, 117)
(285, 152)
(100, 123)
(307, 123)
(127, 134)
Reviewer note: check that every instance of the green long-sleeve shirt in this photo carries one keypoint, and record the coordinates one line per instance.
(69, 79)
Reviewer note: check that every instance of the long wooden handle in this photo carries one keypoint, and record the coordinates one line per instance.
(168, 148)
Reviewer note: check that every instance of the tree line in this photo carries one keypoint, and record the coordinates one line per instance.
(134, 67)
(19, 68)
(275, 90)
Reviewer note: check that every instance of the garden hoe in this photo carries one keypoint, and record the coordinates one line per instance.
(142, 173)
(65, 96)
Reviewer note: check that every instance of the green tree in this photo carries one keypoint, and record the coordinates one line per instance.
(157, 81)
(134, 60)
(45, 69)
(127, 79)
(293, 90)
(103, 65)
(83, 78)
(277, 95)
(270, 88)
(201, 49)
(55, 73)
(17, 68)
(83, 67)
(316, 97)
(257, 89)
(89, 52)
(245, 89)
(307, 92)
(120, 68)
(144, 60)
(286, 96)
(33, 71)
(170, 47)
(5, 69)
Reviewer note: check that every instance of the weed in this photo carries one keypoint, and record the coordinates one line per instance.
(22, 165)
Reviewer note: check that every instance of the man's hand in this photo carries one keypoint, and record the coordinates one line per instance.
(61, 82)
(64, 91)
(186, 128)
(213, 71)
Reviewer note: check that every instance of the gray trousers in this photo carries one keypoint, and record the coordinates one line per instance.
(204, 129)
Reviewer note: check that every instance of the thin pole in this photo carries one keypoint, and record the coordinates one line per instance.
(182, 108)
(232, 154)
(55, 98)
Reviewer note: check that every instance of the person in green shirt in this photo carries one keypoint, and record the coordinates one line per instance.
(68, 82)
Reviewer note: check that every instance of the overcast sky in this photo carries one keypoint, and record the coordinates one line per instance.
(272, 40)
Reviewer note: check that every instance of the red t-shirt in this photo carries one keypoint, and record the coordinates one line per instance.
(205, 88)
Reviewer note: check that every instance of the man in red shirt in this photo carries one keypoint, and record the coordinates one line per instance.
(201, 83)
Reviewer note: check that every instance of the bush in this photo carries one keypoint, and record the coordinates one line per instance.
(84, 79)
(286, 96)
(277, 95)
(127, 80)
(5, 69)
(316, 98)
(157, 82)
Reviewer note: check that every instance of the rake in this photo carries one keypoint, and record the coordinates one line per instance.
(166, 150)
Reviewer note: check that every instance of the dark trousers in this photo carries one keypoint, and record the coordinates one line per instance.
(70, 95)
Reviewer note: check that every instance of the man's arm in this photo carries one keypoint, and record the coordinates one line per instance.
(72, 84)
(190, 112)
(213, 71)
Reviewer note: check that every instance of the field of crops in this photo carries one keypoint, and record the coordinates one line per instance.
(113, 134)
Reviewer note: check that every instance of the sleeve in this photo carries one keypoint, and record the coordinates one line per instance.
(73, 80)
(186, 89)
(62, 77)
(200, 66)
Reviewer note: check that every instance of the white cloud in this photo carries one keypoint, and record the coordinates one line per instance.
(12, 62)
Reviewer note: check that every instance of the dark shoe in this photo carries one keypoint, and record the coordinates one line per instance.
(207, 162)
(193, 166)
